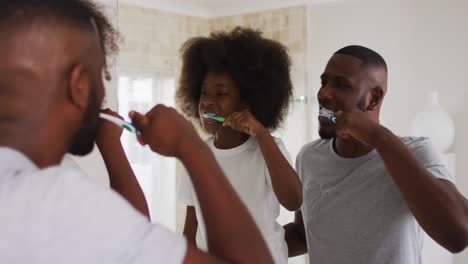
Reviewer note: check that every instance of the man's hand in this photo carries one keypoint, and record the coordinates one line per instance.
(164, 130)
(356, 124)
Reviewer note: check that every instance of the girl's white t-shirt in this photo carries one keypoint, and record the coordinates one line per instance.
(246, 170)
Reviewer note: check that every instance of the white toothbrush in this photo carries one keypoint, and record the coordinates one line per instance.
(121, 123)
(331, 117)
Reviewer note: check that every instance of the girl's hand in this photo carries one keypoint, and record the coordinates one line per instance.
(245, 122)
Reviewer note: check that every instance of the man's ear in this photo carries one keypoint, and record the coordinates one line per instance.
(375, 98)
(79, 85)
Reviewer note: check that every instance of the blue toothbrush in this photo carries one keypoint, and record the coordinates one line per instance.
(121, 123)
(328, 116)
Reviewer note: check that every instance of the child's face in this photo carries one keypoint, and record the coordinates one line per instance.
(220, 96)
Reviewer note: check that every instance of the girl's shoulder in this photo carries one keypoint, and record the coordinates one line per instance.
(209, 140)
(278, 140)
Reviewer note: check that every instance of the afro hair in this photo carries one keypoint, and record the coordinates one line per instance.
(260, 68)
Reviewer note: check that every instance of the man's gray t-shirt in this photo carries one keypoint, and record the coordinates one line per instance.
(353, 212)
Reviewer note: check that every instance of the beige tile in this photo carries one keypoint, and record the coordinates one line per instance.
(153, 38)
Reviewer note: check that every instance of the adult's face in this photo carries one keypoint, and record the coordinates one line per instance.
(83, 141)
(344, 87)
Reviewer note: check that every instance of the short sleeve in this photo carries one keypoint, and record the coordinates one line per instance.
(284, 151)
(161, 246)
(286, 155)
(185, 192)
(430, 158)
(299, 164)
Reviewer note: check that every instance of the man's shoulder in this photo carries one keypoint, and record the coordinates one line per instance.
(66, 176)
(413, 142)
(314, 147)
(65, 186)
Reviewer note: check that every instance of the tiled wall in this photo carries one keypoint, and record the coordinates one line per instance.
(152, 38)
(286, 25)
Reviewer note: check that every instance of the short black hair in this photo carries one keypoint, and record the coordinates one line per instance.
(366, 55)
(80, 12)
(260, 68)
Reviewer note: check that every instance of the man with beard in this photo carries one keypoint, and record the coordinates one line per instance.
(367, 192)
(53, 55)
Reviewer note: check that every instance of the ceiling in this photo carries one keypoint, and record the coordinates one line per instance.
(216, 8)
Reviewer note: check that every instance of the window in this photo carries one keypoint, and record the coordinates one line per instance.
(156, 174)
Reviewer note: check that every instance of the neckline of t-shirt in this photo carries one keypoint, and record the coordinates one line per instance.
(232, 151)
(335, 155)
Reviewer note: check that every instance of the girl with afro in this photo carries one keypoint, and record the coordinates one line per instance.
(244, 79)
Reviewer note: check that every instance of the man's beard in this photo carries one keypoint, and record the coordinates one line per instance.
(329, 132)
(83, 142)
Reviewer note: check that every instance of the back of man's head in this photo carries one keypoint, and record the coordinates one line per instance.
(53, 53)
(80, 13)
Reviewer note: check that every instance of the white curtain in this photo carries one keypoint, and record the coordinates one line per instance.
(140, 90)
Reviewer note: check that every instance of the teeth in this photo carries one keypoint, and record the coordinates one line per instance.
(330, 112)
(209, 114)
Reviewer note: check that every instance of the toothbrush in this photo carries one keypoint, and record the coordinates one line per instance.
(214, 117)
(121, 123)
(327, 115)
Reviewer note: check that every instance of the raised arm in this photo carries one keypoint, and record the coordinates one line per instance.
(295, 236)
(285, 182)
(436, 203)
(121, 176)
(191, 225)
